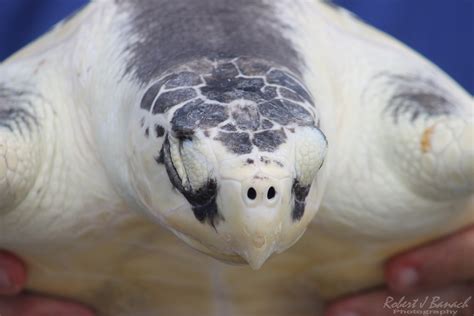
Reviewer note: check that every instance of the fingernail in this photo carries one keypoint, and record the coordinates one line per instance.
(407, 278)
(5, 282)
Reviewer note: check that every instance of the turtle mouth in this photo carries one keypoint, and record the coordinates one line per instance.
(229, 259)
(203, 199)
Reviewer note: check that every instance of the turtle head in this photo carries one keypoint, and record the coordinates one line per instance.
(241, 155)
(243, 207)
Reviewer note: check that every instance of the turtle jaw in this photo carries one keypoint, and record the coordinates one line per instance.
(257, 246)
(257, 214)
(255, 256)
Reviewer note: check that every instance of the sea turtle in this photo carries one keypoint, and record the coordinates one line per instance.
(138, 124)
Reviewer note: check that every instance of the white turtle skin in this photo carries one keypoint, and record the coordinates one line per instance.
(68, 207)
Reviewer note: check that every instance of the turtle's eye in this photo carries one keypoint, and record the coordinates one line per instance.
(189, 172)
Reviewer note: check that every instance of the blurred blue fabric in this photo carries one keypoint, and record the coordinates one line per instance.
(442, 30)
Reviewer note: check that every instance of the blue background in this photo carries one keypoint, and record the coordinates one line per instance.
(442, 30)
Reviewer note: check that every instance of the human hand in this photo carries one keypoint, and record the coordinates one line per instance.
(440, 272)
(13, 302)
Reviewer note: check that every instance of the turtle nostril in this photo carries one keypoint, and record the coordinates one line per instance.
(251, 193)
(271, 193)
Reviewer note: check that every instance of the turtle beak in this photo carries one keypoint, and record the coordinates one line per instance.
(257, 258)
(258, 243)
(255, 211)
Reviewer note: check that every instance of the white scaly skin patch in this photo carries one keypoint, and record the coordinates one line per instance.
(178, 162)
(196, 165)
(310, 149)
(17, 165)
(20, 141)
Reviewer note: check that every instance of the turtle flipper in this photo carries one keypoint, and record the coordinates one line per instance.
(428, 136)
(19, 149)
(441, 165)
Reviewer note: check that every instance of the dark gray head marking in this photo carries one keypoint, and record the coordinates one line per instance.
(256, 106)
(270, 93)
(246, 117)
(183, 79)
(229, 127)
(149, 97)
(298, 114)
(285, 112)
(273, 111)
(266, 124)
(170, 33)
(265, 160)
(238, 143)
(283, 79)
(300, 193)
(269, 140)
(227, 96)
(291, 95)
(219, 75)
(411, 95)
(198, 115)
(279, 164)
(168, 99)
(159, 130)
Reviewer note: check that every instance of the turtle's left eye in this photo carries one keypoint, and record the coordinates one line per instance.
(181, 161)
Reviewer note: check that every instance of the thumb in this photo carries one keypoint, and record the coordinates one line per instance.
(439, 263)
(12, 274)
